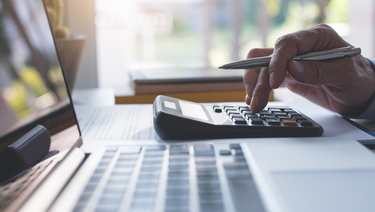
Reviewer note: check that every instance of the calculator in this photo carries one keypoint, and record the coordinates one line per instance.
(176, 119)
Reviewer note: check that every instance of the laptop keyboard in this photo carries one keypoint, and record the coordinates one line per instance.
(199, 177)
(12, 190)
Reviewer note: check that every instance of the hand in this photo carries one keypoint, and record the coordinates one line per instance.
(344, 85)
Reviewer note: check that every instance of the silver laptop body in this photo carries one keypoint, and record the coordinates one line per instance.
(271, 174)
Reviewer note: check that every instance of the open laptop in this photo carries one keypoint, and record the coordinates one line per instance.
(271, 174)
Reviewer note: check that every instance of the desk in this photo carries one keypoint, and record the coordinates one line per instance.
(94, 96)
(106, 96)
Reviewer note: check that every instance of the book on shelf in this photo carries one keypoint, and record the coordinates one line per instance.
(186, 87)
(177, 80)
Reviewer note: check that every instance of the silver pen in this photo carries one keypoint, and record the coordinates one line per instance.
(321, 55)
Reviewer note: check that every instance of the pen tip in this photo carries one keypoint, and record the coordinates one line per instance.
(220, 67)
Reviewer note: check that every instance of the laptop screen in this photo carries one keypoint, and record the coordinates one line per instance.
(32, 87)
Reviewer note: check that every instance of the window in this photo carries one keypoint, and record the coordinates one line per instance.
(195, 33)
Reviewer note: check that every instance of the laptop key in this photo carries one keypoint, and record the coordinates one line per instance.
(216, 206)
(244, 192)
(179, 149)
(204, 150)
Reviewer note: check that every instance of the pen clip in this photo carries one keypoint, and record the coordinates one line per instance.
(329, 54)
(321, 55)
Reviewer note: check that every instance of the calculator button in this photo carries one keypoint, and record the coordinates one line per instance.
(244, 109)
(230, 111)
(246, 112)
(289, 122)
(217, 109)
(280, 114)
(238, 120)
(273, 122)
(297, 118)
(274, 110)
(267, 116)
(294, 114)
(255, 121)
(235, 115)
(251, 115)
(229, 108)
(264, 112)
(305, 123)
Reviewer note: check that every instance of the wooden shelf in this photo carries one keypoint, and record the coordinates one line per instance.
(126, 95)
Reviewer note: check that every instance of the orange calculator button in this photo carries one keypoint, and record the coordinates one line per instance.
(289, 122)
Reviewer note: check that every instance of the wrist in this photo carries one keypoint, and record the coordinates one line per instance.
(365, 110)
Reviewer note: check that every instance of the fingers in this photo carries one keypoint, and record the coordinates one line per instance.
(320, 37)
(341, 85)
(257, 88)
(261, 91)
(311, 93)
(250, 80)
(344, 85)
(256, 82)
(332, 72)
(259, 82)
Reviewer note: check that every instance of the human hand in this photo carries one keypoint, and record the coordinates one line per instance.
(344, 85)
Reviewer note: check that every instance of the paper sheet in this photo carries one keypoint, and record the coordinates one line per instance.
(115, 125)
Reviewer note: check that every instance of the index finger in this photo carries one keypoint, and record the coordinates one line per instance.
(251, 76)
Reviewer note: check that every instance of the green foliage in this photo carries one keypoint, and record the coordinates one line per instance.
(54, 11)
(15, 96)
(32, 78)
(179, 25)
(337, 11)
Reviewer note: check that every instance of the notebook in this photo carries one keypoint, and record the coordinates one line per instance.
(270, 174)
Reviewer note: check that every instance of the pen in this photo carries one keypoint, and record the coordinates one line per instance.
(321, 55)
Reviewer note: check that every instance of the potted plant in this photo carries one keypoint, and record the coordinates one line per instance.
(69, 46)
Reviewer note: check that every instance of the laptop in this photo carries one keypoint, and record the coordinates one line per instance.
(263, 174)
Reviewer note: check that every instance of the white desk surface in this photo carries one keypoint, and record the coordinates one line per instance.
(94, 96)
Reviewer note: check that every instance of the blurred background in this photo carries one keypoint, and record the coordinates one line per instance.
(127, 34)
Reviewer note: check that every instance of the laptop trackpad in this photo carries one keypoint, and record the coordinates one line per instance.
(347, 190)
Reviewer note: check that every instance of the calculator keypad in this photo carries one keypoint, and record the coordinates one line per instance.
(272, 116)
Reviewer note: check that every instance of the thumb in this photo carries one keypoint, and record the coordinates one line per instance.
(315, 72)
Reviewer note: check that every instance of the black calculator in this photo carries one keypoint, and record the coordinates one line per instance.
(176, 119)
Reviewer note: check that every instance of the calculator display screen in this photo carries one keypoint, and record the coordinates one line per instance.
(170, 105)
(193, 110)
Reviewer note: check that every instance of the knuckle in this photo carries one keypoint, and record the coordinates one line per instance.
(248, 80)
(328, 36)
(285, 40)
(255, 52)
(263, 86)
(317, 73)
(323, 26)
(324, 29)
